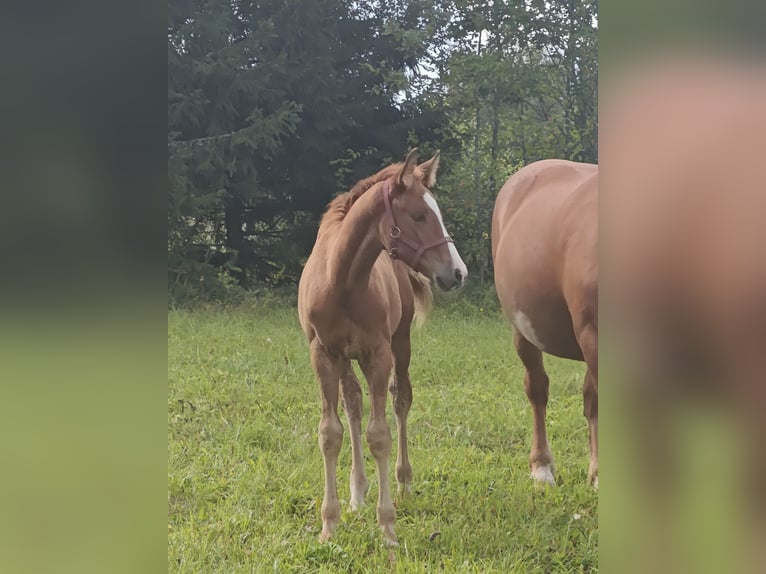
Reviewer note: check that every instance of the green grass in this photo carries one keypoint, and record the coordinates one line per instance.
(245, 476)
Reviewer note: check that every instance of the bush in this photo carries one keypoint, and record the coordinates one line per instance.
(471, 299)
(200, 283)
(204, 285)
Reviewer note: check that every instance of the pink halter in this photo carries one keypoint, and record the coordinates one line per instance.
(395, 234)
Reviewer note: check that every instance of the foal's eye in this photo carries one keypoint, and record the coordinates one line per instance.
(419, 217)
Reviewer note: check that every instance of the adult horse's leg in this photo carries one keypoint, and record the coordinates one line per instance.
(588, 339)
(536, 384)
(584, 313)
(352, 404)
(401, 397)
(376, 367)
(328, 371)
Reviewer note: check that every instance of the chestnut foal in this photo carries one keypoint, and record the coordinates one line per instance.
(367, 277)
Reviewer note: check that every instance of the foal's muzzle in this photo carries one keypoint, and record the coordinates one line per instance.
(449, 281)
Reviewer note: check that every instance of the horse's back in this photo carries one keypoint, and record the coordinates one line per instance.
(544, 181)
(544, 245)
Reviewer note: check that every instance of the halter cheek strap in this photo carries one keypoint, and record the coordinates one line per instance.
(395, 235)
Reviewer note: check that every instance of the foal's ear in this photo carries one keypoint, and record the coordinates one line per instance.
(403, 178)
(429, 170)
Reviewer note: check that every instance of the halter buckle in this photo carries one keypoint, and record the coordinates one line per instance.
(394, 232)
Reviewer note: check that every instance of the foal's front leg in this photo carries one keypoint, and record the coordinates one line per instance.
(328, 370)
(376, 367)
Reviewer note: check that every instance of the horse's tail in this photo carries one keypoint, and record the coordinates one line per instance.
(424, 299)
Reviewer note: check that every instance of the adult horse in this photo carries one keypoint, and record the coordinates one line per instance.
(360, 289)
(544, 248)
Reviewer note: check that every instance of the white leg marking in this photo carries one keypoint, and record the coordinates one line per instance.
(524, 325)
(544, 474)
(358, 493)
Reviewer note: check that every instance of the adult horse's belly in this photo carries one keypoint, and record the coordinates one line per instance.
(540, 236)
(526, 278)
(538, 312)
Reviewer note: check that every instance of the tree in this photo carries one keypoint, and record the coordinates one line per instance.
(520, 84)
(274, 106)
(269, 105)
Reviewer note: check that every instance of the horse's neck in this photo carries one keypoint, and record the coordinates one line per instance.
(357, 245)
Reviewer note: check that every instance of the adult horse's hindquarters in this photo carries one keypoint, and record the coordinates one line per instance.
(544, 248)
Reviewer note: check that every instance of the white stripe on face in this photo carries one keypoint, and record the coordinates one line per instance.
(457, 262)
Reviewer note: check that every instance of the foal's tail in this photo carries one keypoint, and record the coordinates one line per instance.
(424, 299)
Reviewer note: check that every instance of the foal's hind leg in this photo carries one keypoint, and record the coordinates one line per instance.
(352, 404)
(536, 384)
(401, 397)
(328, 371)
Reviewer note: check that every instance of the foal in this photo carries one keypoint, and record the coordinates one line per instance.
(360, 289)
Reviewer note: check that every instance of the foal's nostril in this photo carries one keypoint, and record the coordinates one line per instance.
(458, 275)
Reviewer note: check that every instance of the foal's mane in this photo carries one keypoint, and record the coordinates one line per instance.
(340, 205)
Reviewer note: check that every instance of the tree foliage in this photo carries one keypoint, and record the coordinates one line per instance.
(520, 84)
(275, 106)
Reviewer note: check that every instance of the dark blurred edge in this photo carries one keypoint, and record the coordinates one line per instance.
(83, 336)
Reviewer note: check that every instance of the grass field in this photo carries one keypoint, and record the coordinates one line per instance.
(245, 474)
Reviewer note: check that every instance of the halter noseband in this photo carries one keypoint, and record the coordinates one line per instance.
(395, 235)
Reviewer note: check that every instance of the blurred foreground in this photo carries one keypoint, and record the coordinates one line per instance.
(683, 308)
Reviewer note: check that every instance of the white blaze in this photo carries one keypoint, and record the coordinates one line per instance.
(457, 262)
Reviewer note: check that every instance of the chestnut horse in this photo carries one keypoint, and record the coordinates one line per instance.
(544, 248)
(366, 278)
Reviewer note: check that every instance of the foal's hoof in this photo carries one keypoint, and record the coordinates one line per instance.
(543, 475)
(389, 538)
(404, 490)
(328, 529)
